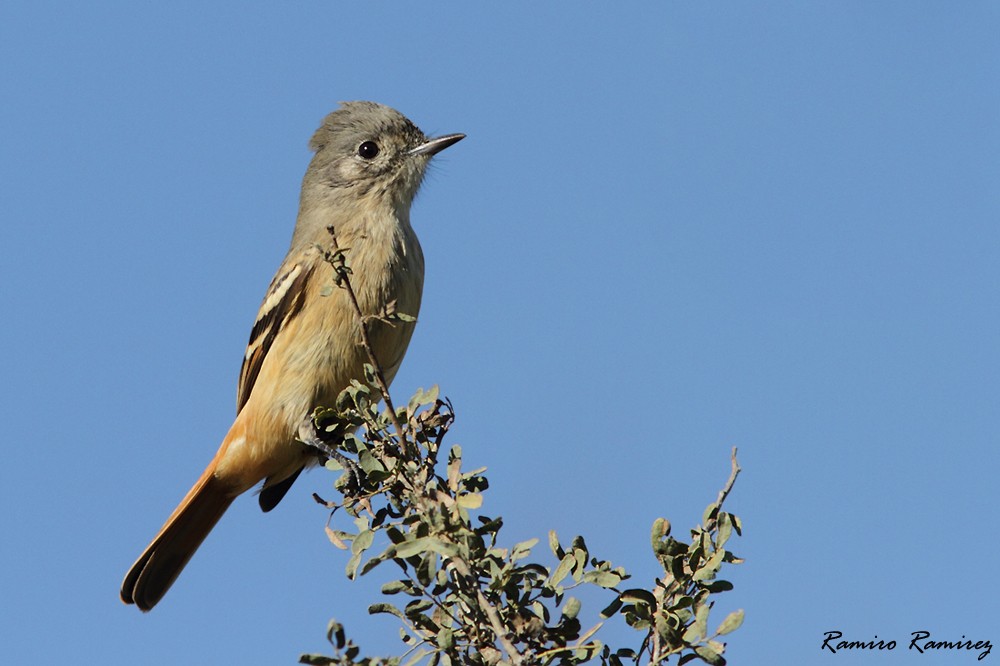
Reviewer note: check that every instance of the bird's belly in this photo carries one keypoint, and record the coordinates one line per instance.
(310, 363)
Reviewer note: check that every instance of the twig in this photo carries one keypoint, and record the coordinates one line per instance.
(724, 493)
(345, 282)
(462, 567)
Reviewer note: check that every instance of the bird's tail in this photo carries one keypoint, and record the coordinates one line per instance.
(162, 561)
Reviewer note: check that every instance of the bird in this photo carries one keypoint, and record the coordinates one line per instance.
(368, 163)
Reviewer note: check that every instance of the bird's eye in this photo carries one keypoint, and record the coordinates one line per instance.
(368, 150)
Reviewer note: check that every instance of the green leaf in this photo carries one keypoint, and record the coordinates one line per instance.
(535, 571)
(445, 549)
(411, 548)
(731, 623)
(725, 530)
(335, 634)
(580, 566)
(427, 568)
(697, 629)
(414, 401)
(416, 607)
(375, 609)
(612, 608)
(676, 565)
(664, 626)
(737, 523)
(540, 611)
(701, 616)
(709, 656)
(554, 545)
(683, 602)
(396, 586)
(719, 586)
(369, 463)
(489, 525)
(604, 579)
(373, 562)
(362, 542)
(470, 500)
(423, 544)
(523, 549)
(710, 512)
(710, 566)
(565, 566)
(571, 608)
(352, 566)
(638, 596)
(661, 529)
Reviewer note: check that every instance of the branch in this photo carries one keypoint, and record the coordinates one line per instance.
(724, 493)
(726, 489)
(345, 282)
(461, 566)
(474, 601)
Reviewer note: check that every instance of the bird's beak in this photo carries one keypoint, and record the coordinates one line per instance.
(436, 145)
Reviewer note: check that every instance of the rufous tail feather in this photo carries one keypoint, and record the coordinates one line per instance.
(164, 559)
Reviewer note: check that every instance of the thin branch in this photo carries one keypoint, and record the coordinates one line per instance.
(366, 343)
(724, 493)
(421, 503)
(462, 567)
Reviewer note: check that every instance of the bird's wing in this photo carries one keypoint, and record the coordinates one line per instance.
(283, 302)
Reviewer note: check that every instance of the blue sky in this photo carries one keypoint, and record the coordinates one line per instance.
(673, 228)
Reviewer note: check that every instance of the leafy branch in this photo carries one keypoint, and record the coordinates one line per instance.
(465, 599)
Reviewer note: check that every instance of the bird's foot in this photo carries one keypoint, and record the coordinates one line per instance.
(353, 472)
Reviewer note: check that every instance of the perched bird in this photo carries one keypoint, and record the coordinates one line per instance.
(304, 346)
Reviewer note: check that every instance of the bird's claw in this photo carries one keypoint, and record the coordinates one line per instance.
(309, 436)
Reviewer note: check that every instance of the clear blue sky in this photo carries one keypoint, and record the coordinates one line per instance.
(673, 228)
